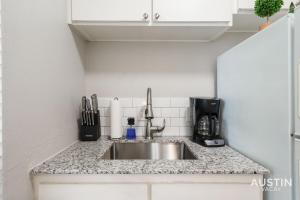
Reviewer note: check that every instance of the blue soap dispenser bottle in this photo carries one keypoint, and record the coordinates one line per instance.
(131, 133)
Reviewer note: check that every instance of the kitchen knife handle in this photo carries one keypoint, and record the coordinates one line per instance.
(94, 103)
(88, 104)
(83, 119)
(83, 103)
(88, 118)
(93, 118)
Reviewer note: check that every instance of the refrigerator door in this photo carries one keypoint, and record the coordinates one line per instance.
(296, 161)
(297, 169)
(254, 80)
(297, 70)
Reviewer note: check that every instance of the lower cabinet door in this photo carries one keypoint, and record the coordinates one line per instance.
(92, 191)
(205, 192)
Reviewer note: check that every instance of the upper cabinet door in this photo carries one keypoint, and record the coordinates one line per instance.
(111, 10)
(201, 11)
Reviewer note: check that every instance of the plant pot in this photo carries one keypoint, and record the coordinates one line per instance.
(264, 25)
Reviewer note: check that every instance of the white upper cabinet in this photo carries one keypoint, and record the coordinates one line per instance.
(151, 20)
(111, 10)
(187, 11)
(203, 11)
(249, 4)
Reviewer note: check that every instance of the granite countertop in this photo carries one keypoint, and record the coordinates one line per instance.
(85, 158)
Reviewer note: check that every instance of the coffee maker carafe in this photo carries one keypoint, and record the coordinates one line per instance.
(206, 118)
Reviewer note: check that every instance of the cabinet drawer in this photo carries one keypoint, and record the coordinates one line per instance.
(92, 191)
(205, 191)
(111, 10)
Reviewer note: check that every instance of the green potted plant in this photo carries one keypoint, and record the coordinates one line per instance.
(267, 8)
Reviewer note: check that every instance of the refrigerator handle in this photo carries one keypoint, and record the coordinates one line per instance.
(297, 93)
(297, 137)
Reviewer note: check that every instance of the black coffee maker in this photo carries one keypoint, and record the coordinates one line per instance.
(206, 119)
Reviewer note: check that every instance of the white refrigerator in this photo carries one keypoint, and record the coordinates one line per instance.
(296, 130)
(259, 83)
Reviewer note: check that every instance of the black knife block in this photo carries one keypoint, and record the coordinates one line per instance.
(90, 133)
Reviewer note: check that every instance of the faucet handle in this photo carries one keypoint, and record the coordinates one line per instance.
(158, 129)
(161, 128)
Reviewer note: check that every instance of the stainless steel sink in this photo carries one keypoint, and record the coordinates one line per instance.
(148, 151)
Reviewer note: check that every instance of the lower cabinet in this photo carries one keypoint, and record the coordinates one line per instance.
(205, 191)
(148, 187)
(93, 192)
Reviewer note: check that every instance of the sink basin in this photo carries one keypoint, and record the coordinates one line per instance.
(148, 151)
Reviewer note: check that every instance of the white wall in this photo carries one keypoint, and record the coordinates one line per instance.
(43, 82)
(126, 69)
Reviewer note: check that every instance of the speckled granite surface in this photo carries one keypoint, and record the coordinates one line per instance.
(85, 158)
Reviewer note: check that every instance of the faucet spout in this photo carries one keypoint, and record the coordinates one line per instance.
(151, 130)
(149, 111)
(149, 96)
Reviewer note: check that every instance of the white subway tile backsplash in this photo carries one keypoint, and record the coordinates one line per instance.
(124, 121)
(171, 131)
(126, 102)
(161, 102)
(176, 122)
(105, 121)
(159, 122)
(179, 122)
(139, 102)
(174, 110)
(185, 131)
(104, 102)
(130, 112)
(140, 112)
(105, 130)
(156, 112)
(170, 112)
(180, 102)
(104, 112)
(140, 123)
(184, 112)
(140, 131)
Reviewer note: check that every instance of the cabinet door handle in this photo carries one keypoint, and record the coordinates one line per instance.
(156, 16)
(145, 16)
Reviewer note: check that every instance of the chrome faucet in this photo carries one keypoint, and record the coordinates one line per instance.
(151, 130)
